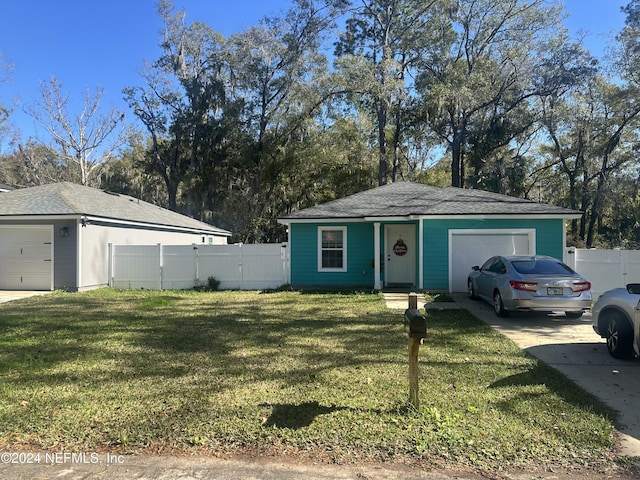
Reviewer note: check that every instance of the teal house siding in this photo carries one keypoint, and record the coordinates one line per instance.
(436, 253)
(550, 238)
(303, 239)
(360, 245)
(395, 211)
(549, 241)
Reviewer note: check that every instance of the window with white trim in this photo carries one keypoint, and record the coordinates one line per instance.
(332, 249)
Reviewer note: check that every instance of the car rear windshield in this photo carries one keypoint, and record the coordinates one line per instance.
(541, 267)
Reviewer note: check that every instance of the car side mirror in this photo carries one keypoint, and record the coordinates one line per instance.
(475, 268)
(633, 288)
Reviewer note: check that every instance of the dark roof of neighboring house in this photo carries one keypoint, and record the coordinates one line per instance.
(70, 199)
(407, 199)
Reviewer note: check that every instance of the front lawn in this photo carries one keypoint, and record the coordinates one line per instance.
(324, 376)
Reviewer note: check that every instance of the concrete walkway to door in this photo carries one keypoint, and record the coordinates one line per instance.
(568, 345)
(8, 295)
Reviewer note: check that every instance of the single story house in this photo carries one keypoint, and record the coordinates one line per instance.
(57, 236)
(412, 235)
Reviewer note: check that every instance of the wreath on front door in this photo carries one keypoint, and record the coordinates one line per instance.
(400, 248)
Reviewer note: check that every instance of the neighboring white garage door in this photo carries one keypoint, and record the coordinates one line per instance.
(26, 254)
(473, 247)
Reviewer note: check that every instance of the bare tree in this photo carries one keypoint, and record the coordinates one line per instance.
(5, 73)
(84, 142)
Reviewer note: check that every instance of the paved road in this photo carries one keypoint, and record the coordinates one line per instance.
(147, 467)
(572, 347)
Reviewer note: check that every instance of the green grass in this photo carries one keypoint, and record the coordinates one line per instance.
(319, 375)
(438, 297)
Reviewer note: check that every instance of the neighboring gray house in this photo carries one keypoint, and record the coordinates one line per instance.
(57, 236)
(416, 236)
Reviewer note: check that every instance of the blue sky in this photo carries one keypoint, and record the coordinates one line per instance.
(87, 43)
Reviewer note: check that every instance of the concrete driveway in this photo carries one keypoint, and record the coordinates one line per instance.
(8, 295)
(572, 347)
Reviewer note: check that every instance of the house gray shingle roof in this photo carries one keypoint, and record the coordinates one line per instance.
(405, 199)
(64, 199)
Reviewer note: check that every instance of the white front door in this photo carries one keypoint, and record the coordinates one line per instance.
(400, 255)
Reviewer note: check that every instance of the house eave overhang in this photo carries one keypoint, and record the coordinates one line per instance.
(154, 226)
(503, 216)
(89, 219)
(415, 217)
(33, 217)
(289, 221)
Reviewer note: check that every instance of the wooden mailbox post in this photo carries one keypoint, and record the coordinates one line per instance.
(417, 324)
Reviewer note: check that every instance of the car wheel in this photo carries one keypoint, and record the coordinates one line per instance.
(498, 306)
(471, 292)
(573, 314)
(619, 336)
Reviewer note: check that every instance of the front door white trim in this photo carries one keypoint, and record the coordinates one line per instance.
(400, 254)
(376, 257)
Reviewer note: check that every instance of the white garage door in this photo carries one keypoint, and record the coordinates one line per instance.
(473, 247)
(26, 254)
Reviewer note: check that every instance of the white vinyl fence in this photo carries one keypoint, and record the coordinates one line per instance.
(605, 269)
(169, 267)
(256, 267)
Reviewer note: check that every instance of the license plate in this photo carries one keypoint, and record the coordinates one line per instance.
(554, 291)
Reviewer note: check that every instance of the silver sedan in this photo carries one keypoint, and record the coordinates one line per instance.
(530, 283)
(616, 317)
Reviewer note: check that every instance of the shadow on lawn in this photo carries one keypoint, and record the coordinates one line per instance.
(219, 343)
(297, 416)
(543, 375)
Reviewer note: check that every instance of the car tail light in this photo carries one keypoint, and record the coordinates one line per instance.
(526, 286)
(581, 286)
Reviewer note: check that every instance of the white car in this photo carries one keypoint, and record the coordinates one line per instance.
(616, 317)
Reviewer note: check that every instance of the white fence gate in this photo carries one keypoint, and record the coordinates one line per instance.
(605, 269)
(169, 267)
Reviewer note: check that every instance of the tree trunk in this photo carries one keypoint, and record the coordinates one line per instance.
(397, 133)
(382, 143)
(595, 208)
(457, 160)
(584, 203)
(172, 194)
